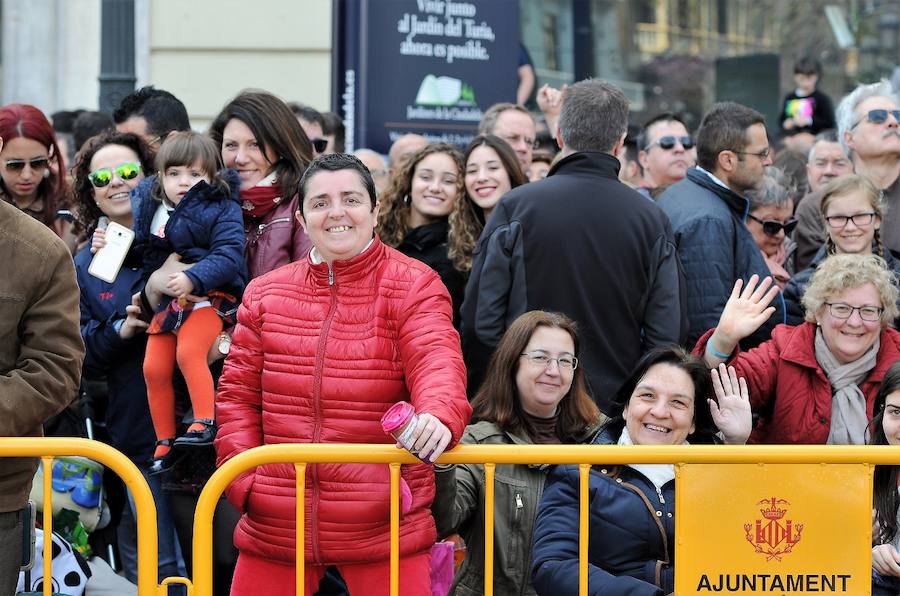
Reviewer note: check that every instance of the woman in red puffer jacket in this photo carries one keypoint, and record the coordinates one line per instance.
(322, 349)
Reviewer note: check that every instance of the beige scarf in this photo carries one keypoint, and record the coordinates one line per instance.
(848, 404)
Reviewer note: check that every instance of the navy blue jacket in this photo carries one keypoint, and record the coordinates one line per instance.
(716, 249)
(631, 547)
(119, 361)
(206, 229)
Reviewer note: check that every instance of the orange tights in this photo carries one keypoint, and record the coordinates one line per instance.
(189, 348)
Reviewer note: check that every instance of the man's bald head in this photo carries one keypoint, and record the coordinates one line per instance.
(402, 150)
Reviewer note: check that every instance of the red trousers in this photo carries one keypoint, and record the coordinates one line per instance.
(254, 576)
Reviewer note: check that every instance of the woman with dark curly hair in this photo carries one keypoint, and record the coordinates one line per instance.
(425, 214)
(109, 167)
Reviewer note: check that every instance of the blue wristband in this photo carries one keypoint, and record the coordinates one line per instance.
(715, 352)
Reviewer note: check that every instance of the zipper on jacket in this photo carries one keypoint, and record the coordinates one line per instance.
(330, 276)
(261, 227)
(317, 416)
(662, 501)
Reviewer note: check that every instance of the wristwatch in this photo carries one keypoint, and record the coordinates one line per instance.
(224, 343)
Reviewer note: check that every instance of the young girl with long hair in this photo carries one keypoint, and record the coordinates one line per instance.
(425, 215)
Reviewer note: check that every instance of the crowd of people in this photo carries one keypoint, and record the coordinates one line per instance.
(558, 281)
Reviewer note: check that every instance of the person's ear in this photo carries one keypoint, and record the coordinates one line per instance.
(848, 140)
(559, 139)
(619, 144)
(642, 158)
(726, 161)
(298, 214)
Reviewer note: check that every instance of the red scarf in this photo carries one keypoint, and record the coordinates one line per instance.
(259, 201)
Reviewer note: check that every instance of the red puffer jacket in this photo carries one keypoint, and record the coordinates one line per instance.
(789, 388)
(320, 362)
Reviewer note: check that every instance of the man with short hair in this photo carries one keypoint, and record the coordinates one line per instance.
(582, 243)
(375, 163)
(708, 210)
(40, 360)
(827, 160)
(313, 124)
(335, 132)
(665, 152)
(869, 129)
(151, 114)
(515, 125)
(402, 149)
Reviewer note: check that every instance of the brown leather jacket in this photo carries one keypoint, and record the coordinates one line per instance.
(40, 340)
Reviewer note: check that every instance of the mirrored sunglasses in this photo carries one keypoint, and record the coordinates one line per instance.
(17, 165)
(125, 171)
(668, 142)
(772, 226)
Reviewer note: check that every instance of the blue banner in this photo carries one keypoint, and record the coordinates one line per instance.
(426, 66)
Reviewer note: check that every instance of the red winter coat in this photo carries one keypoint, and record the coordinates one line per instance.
(313, 362)
(789, 388)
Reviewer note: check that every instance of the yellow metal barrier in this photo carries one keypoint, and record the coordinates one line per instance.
(47, 449)
(489, 455)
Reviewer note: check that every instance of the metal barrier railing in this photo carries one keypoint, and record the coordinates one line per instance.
(48, 448)
(583, 455)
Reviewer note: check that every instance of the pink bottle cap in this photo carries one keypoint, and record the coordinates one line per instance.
(397, 416)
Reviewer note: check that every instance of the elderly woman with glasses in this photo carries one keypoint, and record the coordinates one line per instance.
(535, 393)
(771, 221)
(815, 382)
(852, 212)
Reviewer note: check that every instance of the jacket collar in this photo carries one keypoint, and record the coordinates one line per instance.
(738, 205)
(349, 270)
(590, 162)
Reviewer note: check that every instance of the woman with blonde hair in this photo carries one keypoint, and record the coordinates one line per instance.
(815, 382)
(426, 215)
(852, 211)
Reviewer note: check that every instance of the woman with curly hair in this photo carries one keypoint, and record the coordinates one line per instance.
(427, 215)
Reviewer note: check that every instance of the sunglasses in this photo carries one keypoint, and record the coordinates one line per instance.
(668, 142)
(125, 171)
(879, 116)
(772, 227)
(319, 144)
(17, 165)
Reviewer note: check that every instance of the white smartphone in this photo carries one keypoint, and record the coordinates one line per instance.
(108, 260)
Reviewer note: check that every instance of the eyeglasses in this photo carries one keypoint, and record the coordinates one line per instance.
(839, 310)
(319, 144)
(125, 171)
(17, 165)
(760, 154)
(879, 116)
(839, 222)
(773, 226)
(542, 360)
(668, 142)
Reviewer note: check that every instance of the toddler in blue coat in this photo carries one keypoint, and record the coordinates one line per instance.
(195, 213)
